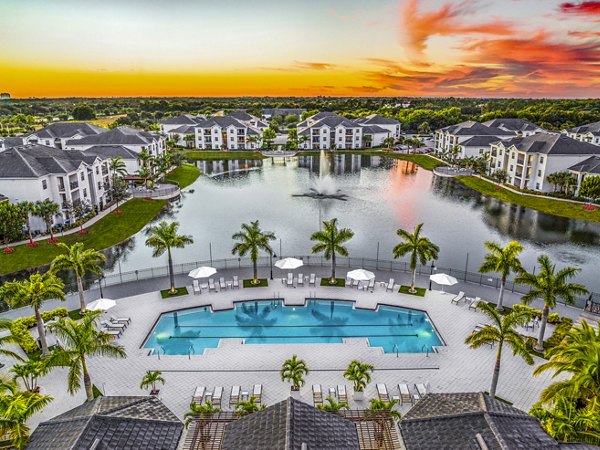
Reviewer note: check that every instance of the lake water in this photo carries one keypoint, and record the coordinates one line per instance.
(383, 195)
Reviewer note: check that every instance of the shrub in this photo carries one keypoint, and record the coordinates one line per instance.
(19, 328)
(559, 332)
(554, 318)
(527, 309)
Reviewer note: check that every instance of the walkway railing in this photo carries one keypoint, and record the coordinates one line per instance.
(153, 193)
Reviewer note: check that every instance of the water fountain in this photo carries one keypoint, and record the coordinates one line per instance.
(324, 186)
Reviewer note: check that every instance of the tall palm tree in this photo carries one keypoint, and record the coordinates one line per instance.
(33, 292)
(503, 261)
(27, 210)
(501, 330)
(164, 237)
(47, 209)
(420, 248)
(151, 378)
(294, 370)
(81, 340)
(81, 261)
(252, 240)
(360, 374)
(246, 407)
(332, 406)
(117, 167)
(549, 286)
(330, 240)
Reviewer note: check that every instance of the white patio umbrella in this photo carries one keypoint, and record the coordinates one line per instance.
(360, 275)
(289, 263)
(102, 304)
(202, 272)
(443, 280)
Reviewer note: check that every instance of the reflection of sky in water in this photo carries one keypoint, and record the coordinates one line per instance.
(321, 321)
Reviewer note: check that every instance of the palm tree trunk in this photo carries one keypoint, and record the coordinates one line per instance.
(41, 331)
(332, 281)
(255, 271)
(87, 381)
(49, 226)
(81, 293)
(414, 281)
(540, 343)
(171, 276)
(496, 371)
(499, 306)
(29, 231)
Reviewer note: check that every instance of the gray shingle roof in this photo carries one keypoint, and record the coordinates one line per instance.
(117, 136)
(452, 421)
(8, 142)
(116, 422)
(184, 129)
(185, 119)
(479, 141)
(593, 127)
(552, 143)
(590, 165)
(371, 129)
(376, 119)
(471, 128)
(66, 130)
(242, 115)
(287, 425)
(512, 124)
(111, 151)
(282, 111)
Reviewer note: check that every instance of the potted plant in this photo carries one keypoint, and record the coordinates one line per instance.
(150, 379)
(360, 374)
(294, 370)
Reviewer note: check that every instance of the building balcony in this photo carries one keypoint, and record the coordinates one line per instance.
(73, 185)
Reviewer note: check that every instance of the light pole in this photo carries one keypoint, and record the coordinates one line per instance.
(100, 285)
(431, 273)
(271, 260)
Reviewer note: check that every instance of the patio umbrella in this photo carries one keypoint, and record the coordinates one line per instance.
(102, 304)
(443, 280)
(202, 272)
(289, 263)
(360, 275)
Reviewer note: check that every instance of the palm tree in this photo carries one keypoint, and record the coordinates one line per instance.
(420, 248)
(379, 406)
(549, 286)
(503, 261)
(360, 374)
(332, 406)
(81, 261)
(201, 412)
(27, 210)
(254, 140)
(330, 240)
(303, 139)
(164, 237)
(501, 330)
(253, 240)
(47, 209)
(294, 370)
(117, 167)
(33, 292)
(244, 408)
(151, 378)
(145, 174)
(388, 142)
(381, 412)
(81, 340)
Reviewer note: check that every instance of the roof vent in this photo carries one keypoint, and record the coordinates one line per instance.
(304, 446)
(481, 442)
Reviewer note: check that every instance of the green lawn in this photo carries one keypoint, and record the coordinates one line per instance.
(339, 282)
(179, 291)
(406, 290)
(262, 282)
(547, 205)
(110, 230)
(184, 175)
(195, 155)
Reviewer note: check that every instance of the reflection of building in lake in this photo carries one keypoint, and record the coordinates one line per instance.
(223, 167)
(342, 163)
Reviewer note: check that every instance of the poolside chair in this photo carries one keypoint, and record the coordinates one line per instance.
(112, 325)
(312, 280)
(317, 395)
(125, 320)
(404, 393)
(348, 282)
(382, 392)
(198, 396)
(422, 389)
(235, 395)
(211, 285)
(300, 280)
(355, 283)
(371, 285)
(458, 298)
(217, 396)
(236, 282)
(115, 333)
(196, 287)
(290, 279)
(257, 393)
(342, 394)
(222, 284)
(332, 392)
(474, 303)
(390, 285)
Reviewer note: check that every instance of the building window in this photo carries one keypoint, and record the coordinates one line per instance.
(481, 151)
(512, 156)
(84, 192)
(44, 184)
(340, 139)
(537, 185)
(97, 170)
(539, 173)
(99, 185)
(541, 160)
(82, 176)
(512, 167)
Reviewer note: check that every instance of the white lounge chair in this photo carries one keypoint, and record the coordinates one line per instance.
(312, 280)
(390, 285)
(115, 333)
(332, 392)
(236, 282)
(198, 396)
(348, 282)
(217, 397)
(211, 285)
(382, 392)
(404, 393)
(290, 279)
(458, 297)
(474, 303)
(317, 395)
(222, 284)
(371, 285)
(196, 287)
(342, 394)
(125, 320)
(235, 395)
(300, 280)
(257, 393)
(113, 325)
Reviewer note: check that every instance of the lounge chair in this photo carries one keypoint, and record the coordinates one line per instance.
(371, 285)
(422, 389)
(342, 394)
(458, 298)
(211, 285)
(332, 392)
(236, 282)
(355, 283)
(235, 395)
(112, 325)
(257, 393)
(217, 397)
(115, 333)
(125, 320)
(198, 396)
(348, 282)
(390, 285)
(312, 280)
(222, 284)
(317, 395)
(382, 392)
(404, 393)
(196, 287)
(290, 279)
(474, 303)
(300, 280)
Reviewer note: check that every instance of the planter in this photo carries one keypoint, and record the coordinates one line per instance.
(154, 392)
(295, 394)
(359, 396)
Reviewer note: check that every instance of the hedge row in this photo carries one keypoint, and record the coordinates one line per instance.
(19, 328)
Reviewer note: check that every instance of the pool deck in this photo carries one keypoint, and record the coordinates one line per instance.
(456, 368)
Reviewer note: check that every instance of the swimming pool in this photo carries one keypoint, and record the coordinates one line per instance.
(270, 322)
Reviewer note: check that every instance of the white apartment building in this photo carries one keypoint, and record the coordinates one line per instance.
(229, 133)
(131, 138)
(448, 137)
(529, 160)
(475, 146)
(585, 133)
(170, 124)
(57, 134)
(375, 120)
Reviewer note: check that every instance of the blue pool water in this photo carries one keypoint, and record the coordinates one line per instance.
(270, 322)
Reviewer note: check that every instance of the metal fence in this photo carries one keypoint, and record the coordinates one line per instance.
(160, 192)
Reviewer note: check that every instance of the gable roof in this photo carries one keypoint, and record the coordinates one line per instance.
(110, 151)
(184, 129)
(472, 128)
(512, 124)
(372, 129)
(64, 130)
(479, 141)
(551, 144)
(593, 128)
(36, 160)
(286, 426)
(376, 119)
(117, 136)
(282, 111)
(452, 421)
(115, 422)
(185, 119)
(590, 165)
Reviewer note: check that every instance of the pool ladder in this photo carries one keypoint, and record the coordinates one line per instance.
(191, 352)
(426, 348)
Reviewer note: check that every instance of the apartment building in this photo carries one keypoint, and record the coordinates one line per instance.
(325, 131)
(131, 138)
(585, 133)
(170, 124)
(392, 126)
(58, 134)
(230, 133)
(454, 135)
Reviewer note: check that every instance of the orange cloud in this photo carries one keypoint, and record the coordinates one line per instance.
(584, 34)
(313, 65)
(583, 8)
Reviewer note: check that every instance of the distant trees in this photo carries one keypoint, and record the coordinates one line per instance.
(83, 112)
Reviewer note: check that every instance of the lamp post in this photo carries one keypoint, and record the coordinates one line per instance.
(431, 273)
(100, 285)
(271, 260)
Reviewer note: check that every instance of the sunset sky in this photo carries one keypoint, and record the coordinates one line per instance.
(511, 48)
